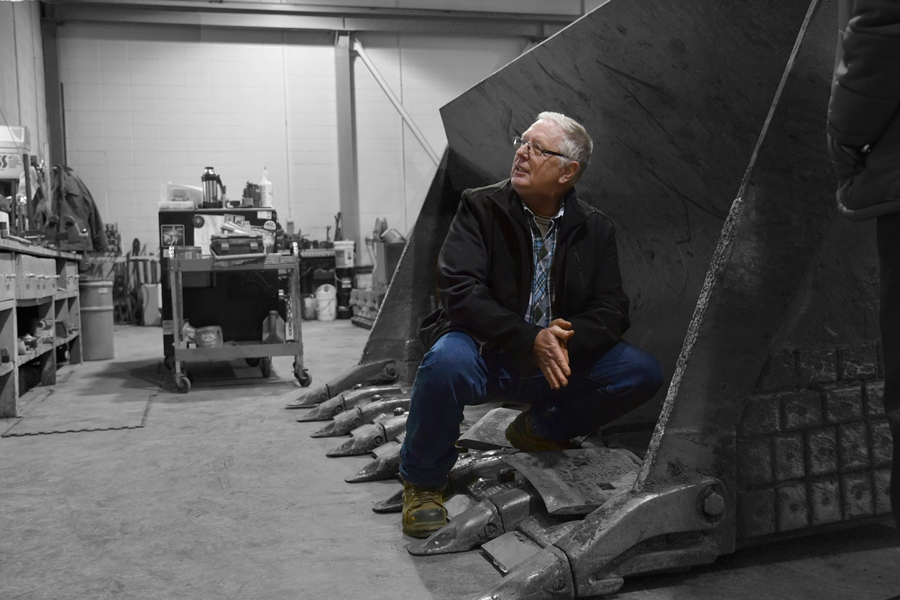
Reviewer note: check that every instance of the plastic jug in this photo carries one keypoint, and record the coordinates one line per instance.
(326, 302)
(265, 190)
(273, 329)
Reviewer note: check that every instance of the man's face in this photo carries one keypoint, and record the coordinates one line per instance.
(534, 175)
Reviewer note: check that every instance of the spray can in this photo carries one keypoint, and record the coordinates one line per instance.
(265, 190)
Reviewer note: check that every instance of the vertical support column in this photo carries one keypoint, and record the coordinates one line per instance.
(53, 89)
(346, 125)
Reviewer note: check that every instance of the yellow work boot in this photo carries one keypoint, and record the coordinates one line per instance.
(522, 436)
(423, 510)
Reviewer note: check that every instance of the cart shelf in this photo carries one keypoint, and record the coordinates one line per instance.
(252, 263)
(252, 350)
(242, 350)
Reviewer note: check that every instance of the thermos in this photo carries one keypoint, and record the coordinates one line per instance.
(211, 184)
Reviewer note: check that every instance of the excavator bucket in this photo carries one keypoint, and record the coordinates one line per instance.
(710, 158)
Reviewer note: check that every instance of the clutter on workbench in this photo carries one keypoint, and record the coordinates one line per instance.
(231, 268)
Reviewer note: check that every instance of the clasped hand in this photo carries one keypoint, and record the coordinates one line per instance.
(552, 352)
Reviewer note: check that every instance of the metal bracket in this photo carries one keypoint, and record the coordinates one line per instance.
(630, 534)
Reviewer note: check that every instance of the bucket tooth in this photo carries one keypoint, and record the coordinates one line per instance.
(546, 529)
(347, 400)
(332, 430)
(314, 415)
(458, 504)
(491, 517)
(392, 504)
(386, 466)
(469, 530)
(543, 576)
(364, 439)
(366, 374)
(315, 396)
(473, 467)
(350, 419)
(368, 437)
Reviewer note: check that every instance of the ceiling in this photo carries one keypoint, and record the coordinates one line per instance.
(533, 19)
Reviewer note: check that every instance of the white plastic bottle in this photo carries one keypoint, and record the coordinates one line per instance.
(265, 190)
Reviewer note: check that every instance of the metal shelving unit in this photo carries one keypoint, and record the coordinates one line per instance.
(36, 283)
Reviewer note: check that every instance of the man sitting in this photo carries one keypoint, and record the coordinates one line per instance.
(533, 311)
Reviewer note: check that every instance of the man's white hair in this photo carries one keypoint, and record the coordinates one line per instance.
(576, 144)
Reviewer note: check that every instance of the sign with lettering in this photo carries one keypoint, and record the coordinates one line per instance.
(11, 166)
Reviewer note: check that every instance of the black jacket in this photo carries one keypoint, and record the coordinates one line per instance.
(486, 266)
(864, 111)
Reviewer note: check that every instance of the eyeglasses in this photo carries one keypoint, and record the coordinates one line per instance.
(535, 149)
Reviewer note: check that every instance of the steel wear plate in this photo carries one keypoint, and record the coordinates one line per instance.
(575, 482)
(489, 432)
(508, 550)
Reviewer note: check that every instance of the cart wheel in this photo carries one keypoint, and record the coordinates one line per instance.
(265, 366)
(252, 362)
(183, 383)
(303, 377)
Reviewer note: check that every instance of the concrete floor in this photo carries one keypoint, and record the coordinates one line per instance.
(221, 494)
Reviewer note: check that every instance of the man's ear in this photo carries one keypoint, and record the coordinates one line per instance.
(568, 172)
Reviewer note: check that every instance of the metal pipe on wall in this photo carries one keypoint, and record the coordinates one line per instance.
(361, 52)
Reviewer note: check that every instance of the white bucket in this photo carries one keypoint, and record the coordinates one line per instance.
(344, 251)
(326, 302)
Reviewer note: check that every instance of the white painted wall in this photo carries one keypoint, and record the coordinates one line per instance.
(424, 73)
(150, 104)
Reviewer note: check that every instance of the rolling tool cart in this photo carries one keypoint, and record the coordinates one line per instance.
(217, 342)
(228, 297)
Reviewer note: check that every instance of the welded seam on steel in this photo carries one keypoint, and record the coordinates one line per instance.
(717, 265)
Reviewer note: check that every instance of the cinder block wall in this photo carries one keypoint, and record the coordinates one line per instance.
(150, 104)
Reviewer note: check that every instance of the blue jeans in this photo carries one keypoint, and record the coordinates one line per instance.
(454, 374)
